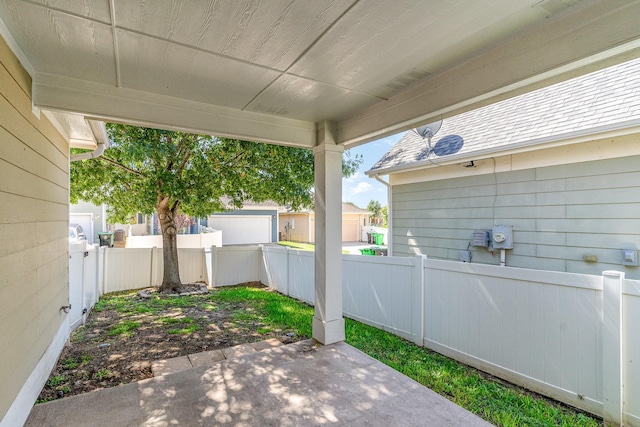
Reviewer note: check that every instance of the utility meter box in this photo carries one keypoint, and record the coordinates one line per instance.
(481, 238)
(502, 237)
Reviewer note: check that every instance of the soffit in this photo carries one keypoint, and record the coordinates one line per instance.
(270, 70)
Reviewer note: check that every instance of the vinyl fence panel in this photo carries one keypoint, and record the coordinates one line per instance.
(385, 292)
(275, 268)
(631, 350)
(537, 328)
(301, 275)
(235, 264)
(127, 269)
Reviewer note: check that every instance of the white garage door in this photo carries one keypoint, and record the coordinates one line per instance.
(86, 221)
(350, 230)
(241, 230)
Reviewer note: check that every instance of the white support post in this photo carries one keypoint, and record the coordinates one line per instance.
(417, 293)
(287, 275)
(204, 273)
(328, 323)
(612, 347)
(105, 270)
(214, 266)
(152, 270)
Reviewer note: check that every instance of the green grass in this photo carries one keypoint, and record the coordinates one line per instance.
(103, 374)
(56, 381)
(124, 328)
(73, 362)
(173, 320)
(184, 331)
(497, 403)
(298, 246)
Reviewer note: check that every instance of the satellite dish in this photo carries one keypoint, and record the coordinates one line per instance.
(449, 144)
(427, 131)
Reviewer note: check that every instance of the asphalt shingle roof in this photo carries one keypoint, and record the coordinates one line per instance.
(591, 102)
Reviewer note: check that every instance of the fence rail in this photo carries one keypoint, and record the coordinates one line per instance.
(569, 336)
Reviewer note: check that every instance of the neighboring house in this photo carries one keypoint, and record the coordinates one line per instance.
(300, 226)
(561, 165)
(254, 223)
(92, 218)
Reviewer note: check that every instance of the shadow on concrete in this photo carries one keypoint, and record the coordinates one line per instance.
(293, 385)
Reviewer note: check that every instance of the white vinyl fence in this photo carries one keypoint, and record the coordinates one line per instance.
(569, 336)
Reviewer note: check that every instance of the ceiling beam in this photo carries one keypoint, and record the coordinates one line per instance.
(108, 103)
(596, 36)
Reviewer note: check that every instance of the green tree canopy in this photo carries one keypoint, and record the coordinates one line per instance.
(147, 170)
(376, 212)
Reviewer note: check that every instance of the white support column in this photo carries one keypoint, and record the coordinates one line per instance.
(612, 347)
(328, 323)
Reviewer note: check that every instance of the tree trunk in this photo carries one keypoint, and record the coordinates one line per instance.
(171, 282)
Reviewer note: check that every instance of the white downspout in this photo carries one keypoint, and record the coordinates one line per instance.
(389, 215)
(102, 143)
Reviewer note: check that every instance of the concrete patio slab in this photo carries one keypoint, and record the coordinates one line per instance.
(205, 358)
(238, 350)
(170, 366)
(182, 363)
(292, 385)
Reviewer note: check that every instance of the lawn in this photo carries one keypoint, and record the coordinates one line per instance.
(245, 314)
(298, 246)
(303, 246)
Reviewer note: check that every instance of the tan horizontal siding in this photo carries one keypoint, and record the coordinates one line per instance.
(34, 193)
(15, 123)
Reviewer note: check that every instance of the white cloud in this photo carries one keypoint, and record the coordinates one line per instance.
(353, 178)
(362, 187)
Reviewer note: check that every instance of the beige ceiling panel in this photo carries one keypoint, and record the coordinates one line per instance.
(383, 47)
(60, 43)
(307, 100)
(272, 33)
(95, 9)
(156, 66)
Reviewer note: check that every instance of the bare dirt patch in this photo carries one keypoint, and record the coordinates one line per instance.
(125, 333)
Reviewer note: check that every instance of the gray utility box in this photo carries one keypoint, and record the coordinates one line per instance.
(502, 236)
(481, 238)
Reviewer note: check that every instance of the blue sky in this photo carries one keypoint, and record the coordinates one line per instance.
(359, 188)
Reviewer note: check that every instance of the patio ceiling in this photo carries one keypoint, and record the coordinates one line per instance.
(271, 70)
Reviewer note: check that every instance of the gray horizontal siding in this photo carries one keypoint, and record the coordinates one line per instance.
(558, 213)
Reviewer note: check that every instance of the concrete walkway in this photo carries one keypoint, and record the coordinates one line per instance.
(301, 384)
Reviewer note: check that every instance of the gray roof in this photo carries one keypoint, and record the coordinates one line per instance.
(603, 100)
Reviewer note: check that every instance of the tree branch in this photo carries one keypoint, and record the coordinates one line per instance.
(183, 162)
(116, 164)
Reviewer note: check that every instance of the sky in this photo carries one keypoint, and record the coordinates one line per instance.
(359, 188)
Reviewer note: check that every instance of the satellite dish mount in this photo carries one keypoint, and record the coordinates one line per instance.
(427, 132)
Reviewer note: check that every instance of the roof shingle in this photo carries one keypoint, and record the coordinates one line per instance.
(594, 101)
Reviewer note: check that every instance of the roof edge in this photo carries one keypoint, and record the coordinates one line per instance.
(575, 137)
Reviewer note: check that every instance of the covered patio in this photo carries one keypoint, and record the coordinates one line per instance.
(325, 75)
(293, 385)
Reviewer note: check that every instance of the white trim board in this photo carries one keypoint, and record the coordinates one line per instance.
(20, 409)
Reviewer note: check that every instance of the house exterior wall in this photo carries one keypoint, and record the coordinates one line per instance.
(99, 224)
(259, 212)
(34, 258)
(303, 231)
(353, 225)
(559, 213)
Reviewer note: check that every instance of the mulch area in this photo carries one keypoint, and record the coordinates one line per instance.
(119, 341)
